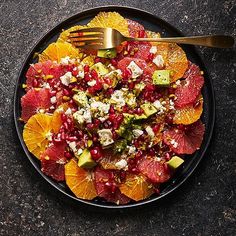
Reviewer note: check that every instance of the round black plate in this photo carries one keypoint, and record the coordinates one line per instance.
(150, 22)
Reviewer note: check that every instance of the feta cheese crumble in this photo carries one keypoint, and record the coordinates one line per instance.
(65, 60)
(105, 137)
(159, 106)
(135, 69)
(53, 99)
(83, 115)
(137, 133)
(174, 143)
(68, 111)
(65, 79)
(92, 82)
(131, 149)
(121, 164)
(158, 60)
(76, 151)
(153, 49)
(150, 132)
(118, 98)
(99, 108)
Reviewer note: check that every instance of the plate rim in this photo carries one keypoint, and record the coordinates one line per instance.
(20, 137)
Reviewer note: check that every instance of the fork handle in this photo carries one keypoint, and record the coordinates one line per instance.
(217, 41)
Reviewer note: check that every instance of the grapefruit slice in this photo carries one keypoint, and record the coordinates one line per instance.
(80, 181)
(154, 170)
(110, 20)
(43, 71)
(136, 187)
(104, 182)
(188, 114)
(58, 50)
(53, 161)
(37, 133)
(186, 140)
(34, 101)
(109, 159)
(188, 91)
(148, 70)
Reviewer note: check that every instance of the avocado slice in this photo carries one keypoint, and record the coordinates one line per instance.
(148, 109)
(161, 77)
(128, 118)
(175, 162)
(86, 160)
(107, 53)
(100, 68)
(140, 117)
(81, 99)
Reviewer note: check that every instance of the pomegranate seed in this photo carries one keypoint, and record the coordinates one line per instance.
(114, 62)
(87, 77)
(166, 167)
(110, 91)
(86, 68)
(138, 154)
(150, 56)
(152, 151)
(75, 72)
(35, 83)
(68, 155)
(90, 126)
(96, 153)
(127, 73)
(95, 138)
(138, 111)
(63, 117)
(66, 92)
(131, 85)
(112, 110)
(97, 59)
(122, 175)
(53, 93)
(167, 156)
(94, 74)
(72, 138)
(65, 125)
(97, 122)
(113, 188)
(63, 136)
(169, 119)
(141, 34)
(156, 128)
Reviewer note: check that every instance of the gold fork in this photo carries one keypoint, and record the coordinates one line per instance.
(105, 38)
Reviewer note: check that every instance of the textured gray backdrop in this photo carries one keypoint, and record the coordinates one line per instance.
(204, 205)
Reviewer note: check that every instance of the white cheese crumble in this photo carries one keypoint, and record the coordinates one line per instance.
(135, 69)
(68, 111)
(53, 99)
(174, 143)
(153, 49)
(172, 105)
(65, 60)
(121, 164)
(92, 82)
(105, 137)
(159, 61)
(46, 85)
(137, 132)
(99, 108)
(131, 149)
(72, 146)
(83, 115)
(65, 79)
(118, 98)
(178, 82)
(150, 132)
(159, 106)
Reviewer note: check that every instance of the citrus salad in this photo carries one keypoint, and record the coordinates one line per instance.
(113, 124)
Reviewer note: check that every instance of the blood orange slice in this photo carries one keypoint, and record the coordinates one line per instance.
(107, 186)
(185, 140)
(40, 72)
(80, 181)
(188, 114)
(58, 50)
(136, 187)
(188, 91)
(154, 170)
(110, 20)
(134, 29)
(34, 101)
(37, 133)
(53, 161)
(109, 159)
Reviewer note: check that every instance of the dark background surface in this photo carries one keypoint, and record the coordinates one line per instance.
(204, 205)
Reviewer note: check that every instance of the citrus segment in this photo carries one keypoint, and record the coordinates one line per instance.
(110, 20)
(135, 29)
(53, 161)
(58, 50)
(154, 170)
(185, 140)
(80, 181)
(37, 133)
(34, 101)
(189, 114)
(136, 187)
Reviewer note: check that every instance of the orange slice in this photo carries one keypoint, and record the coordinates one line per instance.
(66, 33)
(189, 114)
(111, 20)
(58, 50)
(80, 181)
(37, 132)
(136, 187)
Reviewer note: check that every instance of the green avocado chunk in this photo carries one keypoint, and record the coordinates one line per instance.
(128, 118)
(140, 117)
(148, 109)
(107, 53)
(80, 98)
(85, 160)
(161, 77)
(175, 162)
(100, 68)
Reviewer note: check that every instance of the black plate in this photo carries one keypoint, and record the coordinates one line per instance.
(150, 22)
